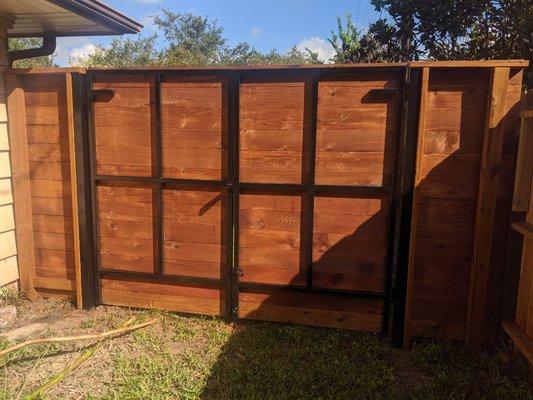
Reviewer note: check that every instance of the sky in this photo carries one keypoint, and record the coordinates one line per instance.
(265, 24)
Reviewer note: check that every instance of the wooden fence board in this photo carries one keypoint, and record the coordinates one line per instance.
(356, 129)
(486, 208)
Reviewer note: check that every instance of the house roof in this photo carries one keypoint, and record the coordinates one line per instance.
(65, 18)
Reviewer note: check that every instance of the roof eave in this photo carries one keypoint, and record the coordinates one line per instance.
(101, 14)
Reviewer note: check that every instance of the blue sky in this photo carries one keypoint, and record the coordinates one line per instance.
(265, 24)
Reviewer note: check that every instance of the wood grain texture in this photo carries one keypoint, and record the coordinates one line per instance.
(486, 205)
(194, 127)
(274, 128)
(48, 128)
(350, 243)
(130, 109)
(195, 233)
(120, 247)
(270, 237)
(446, 187)
(21, 183)
(74, 189)
(311, 309)
(356, 124)
(163, 297)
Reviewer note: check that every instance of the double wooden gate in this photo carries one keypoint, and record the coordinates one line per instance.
(258, 193)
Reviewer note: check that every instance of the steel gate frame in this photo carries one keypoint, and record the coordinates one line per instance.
(404, 150)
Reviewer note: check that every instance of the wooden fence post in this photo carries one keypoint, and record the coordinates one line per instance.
(424, 87)
(74, 187)
(486, 205)
(18, 139)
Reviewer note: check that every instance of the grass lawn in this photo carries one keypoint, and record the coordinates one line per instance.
(184, 357)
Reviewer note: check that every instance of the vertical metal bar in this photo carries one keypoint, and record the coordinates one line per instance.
(233, 132)
(311, 178)
(159, 267)
(93, 188)
(228, 278)
(392, 232)
(407, 162)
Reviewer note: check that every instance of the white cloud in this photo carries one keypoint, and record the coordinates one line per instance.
(256, 31)
(65, 45)
(81, 52)
(318, 45)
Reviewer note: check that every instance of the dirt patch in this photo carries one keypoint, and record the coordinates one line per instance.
(195, 357)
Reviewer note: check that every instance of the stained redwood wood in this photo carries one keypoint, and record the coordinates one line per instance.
(355, 129)
(312, 309)
(271, 261)
(51, 206)
(131, 108)
(49, 154)
(120, 249)
(194, 133)
(21, 183)
(194, 229)
(55, 171)
(524, 287)
(74, 190)
(524, 167)
(274, 107)
(55, 283)
(161, 296)
(492, 148)
(520, 339)
(60, 259)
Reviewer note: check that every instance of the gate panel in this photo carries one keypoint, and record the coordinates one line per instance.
(229, 157)
(316, 247)
(160, 198)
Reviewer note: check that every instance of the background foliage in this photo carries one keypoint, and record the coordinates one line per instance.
(411, 30)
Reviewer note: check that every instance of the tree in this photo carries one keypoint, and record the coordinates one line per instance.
(188, 40)
(122, 52)
(29, 43)
(461, 29)
(378, 44)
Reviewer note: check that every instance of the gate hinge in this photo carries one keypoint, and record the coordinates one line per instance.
(237, 271)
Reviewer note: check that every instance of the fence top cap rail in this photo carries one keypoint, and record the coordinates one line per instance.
(412, 64)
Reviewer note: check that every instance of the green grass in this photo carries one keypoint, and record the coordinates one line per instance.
(198, 357)
(10, 296)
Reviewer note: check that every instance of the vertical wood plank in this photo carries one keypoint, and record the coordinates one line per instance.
(74, 188)
(486, 205)
(424, 87)
(18, 138)
(524, 166)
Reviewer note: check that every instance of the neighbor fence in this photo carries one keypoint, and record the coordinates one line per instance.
(364, 197)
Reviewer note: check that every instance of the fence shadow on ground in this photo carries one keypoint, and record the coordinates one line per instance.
(274, 361)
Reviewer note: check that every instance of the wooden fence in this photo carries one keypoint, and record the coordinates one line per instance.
(520, 328)
(282, 194)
